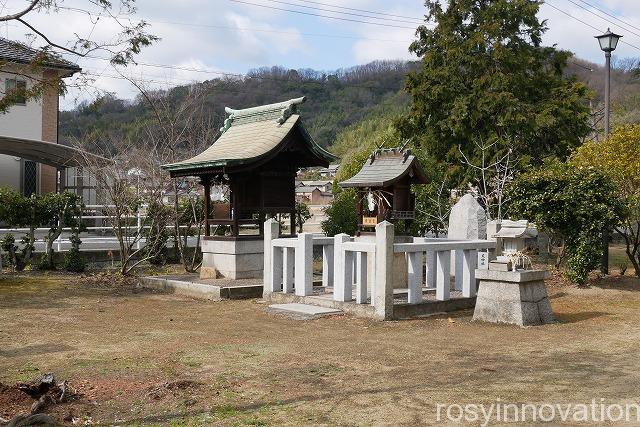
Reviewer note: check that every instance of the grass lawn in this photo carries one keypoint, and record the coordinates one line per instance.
(137, 357)
(618, 257)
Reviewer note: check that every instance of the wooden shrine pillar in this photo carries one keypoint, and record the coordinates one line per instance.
(233, 209)
(360, 195)
(206, 182)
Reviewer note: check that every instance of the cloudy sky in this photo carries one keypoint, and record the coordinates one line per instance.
(203, 38)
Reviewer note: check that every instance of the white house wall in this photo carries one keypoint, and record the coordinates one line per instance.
(21, 121)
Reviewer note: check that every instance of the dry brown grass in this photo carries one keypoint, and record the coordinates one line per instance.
(152, 358)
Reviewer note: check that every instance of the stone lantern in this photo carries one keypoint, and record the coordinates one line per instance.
(512, 236)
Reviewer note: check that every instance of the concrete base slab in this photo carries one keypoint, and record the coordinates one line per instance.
(303, 311)
(323, 297)
(240, 258)
(209, 289)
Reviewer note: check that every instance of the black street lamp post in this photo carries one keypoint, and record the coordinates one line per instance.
(608, 42)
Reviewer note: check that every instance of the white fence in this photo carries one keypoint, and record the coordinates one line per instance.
(288, 262)
(368, 267)
(95, 238)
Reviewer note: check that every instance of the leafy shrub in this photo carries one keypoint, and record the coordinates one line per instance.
(573, 205)
(73, 259)
(58, 210)
(619, 159)
(158, 217)
(53, 210)
(341, 214)
(11, 250)
(302, 215)
(44, 264)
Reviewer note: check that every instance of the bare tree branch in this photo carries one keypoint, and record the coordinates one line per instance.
(20, 14)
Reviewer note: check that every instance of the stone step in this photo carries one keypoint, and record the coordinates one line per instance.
(303, 311)
(208, 289)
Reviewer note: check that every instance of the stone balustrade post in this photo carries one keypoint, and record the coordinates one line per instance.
(327, 265)
(443, 275)
(288, 270)
(361, 277)
(304, 265)
(271, 232)
(276, 270)
(469, 262)
(415, 265)
(343, 269)
(383, 291)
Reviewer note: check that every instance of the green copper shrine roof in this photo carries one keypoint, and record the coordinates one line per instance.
(384, 167)
(249, 135)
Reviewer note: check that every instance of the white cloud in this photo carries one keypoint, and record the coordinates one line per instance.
(225, 35)
(261, 43)
(387, 41)
(571, 34)
(386, 47)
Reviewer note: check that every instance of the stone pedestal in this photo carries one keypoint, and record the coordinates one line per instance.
(516, 297)
(232, 258)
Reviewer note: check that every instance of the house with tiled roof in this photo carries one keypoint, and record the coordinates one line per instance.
(314, 192)
(34, 119)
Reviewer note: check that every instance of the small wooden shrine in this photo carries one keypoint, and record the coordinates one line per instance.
(257, 156)
(384, 187)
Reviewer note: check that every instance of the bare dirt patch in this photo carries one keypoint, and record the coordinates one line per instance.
(13, 401)
(146, 358)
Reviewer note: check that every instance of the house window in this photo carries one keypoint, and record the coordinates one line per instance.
(16, 85)
(30, 183)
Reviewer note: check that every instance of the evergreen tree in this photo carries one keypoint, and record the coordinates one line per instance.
(486, 78)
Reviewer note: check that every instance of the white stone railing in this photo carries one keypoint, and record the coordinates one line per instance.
(437, 253)
(288, 262)
(351, 262)
(288, 266)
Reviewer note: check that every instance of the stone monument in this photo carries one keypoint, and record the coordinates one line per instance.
(467, 221)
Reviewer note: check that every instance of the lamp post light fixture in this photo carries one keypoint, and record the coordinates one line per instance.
(608, 43)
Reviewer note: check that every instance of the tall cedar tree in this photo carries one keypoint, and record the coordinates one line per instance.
(486, 78)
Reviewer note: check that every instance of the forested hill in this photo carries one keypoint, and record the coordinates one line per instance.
(335, 100)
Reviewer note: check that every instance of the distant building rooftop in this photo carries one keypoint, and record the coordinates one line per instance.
(306, 189)
(12, 51)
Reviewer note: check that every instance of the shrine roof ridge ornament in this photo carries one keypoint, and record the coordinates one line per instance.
(279, 112)
(390, 152)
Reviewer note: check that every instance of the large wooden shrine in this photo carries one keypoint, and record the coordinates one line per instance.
(257, 156)
(384, 187)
